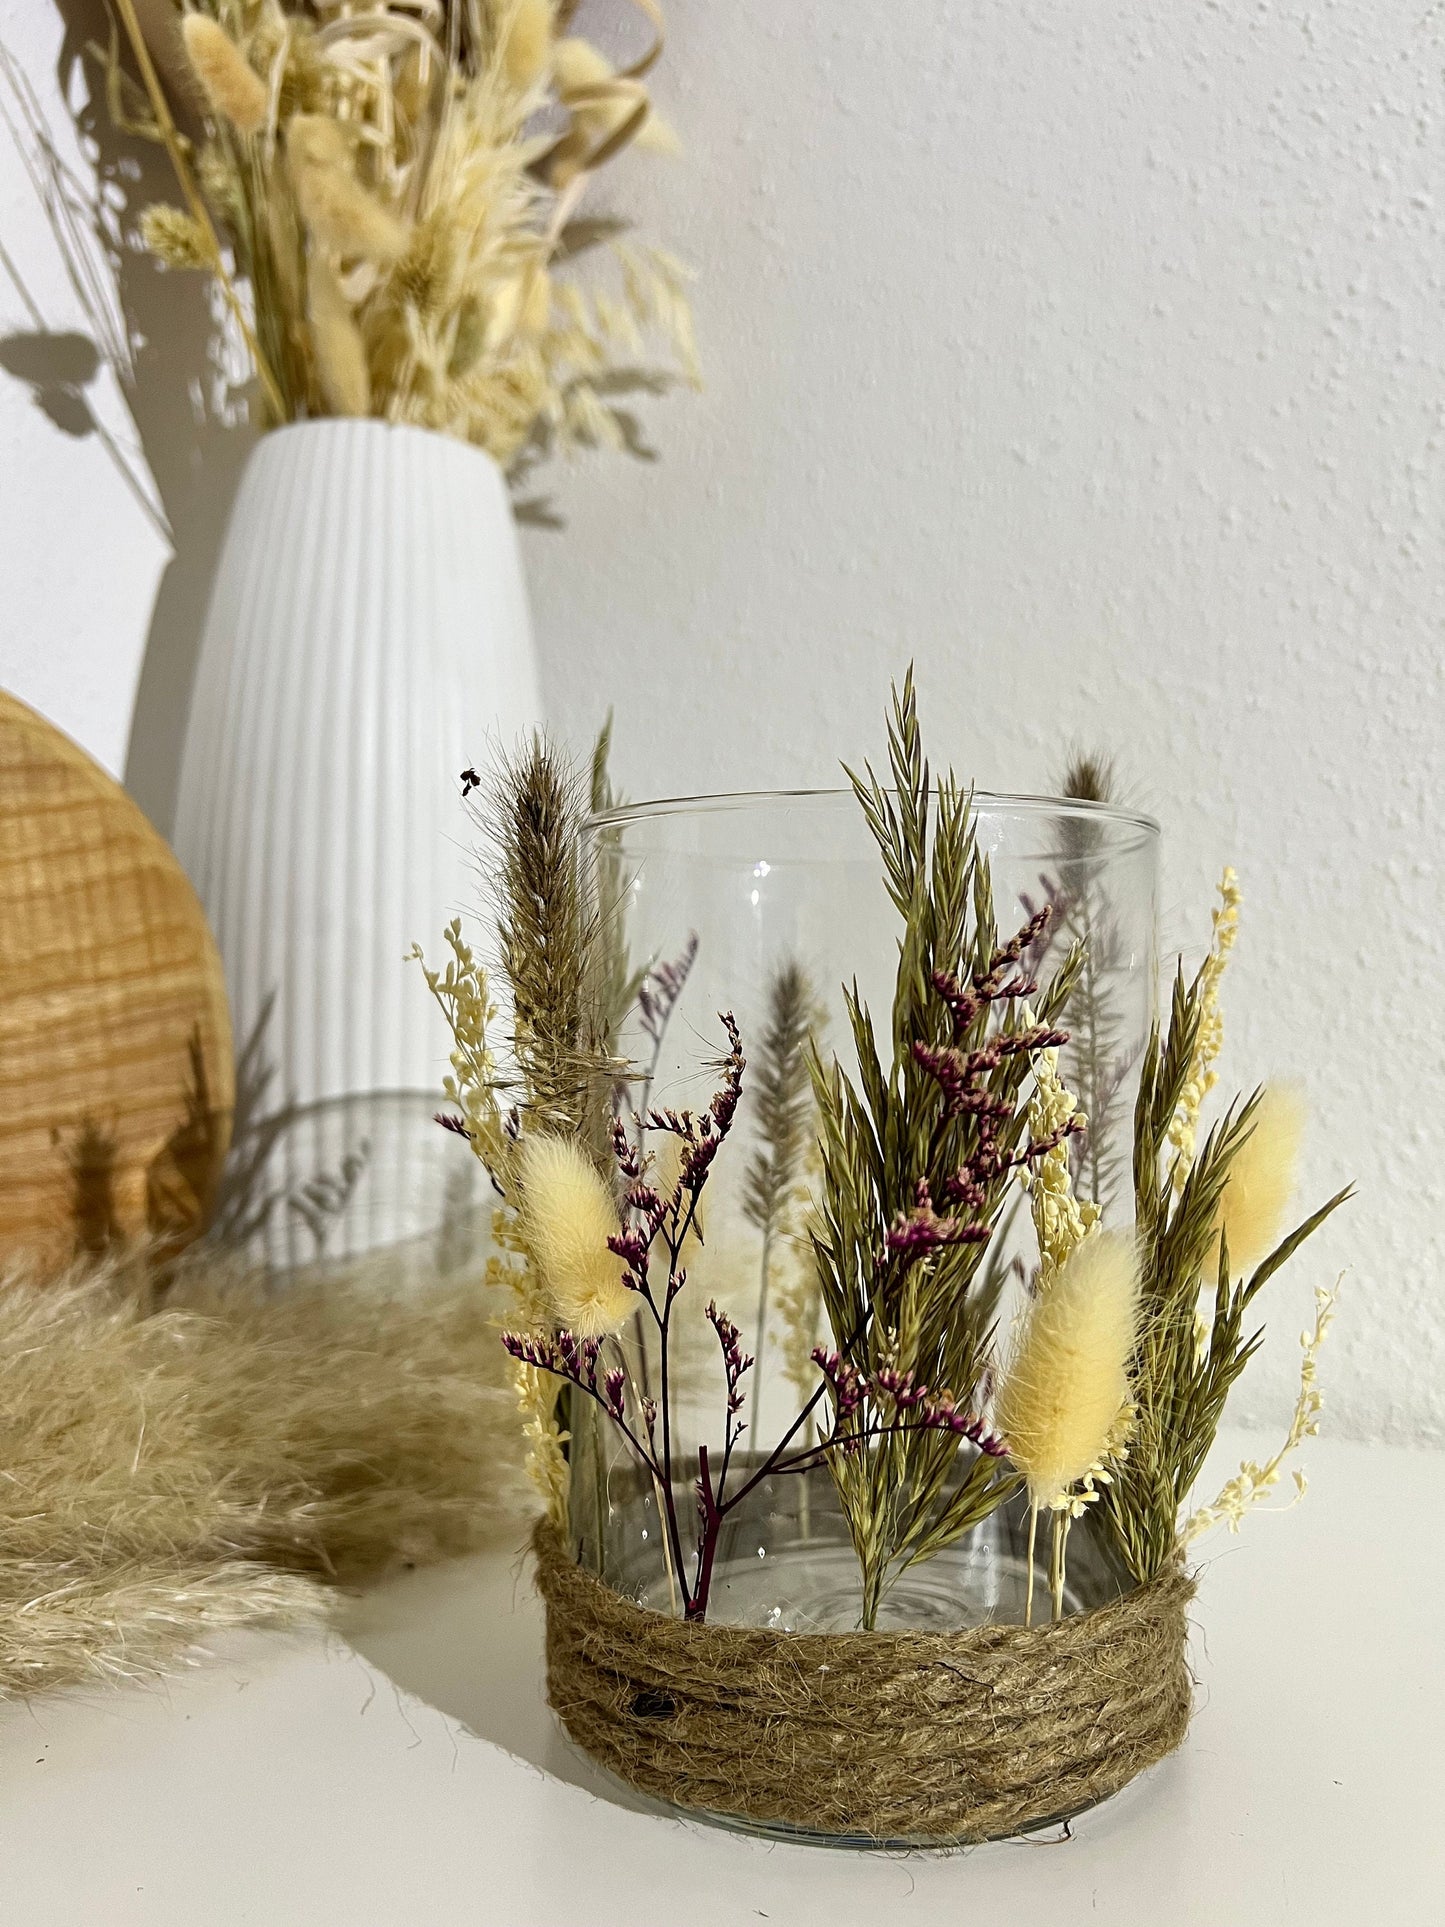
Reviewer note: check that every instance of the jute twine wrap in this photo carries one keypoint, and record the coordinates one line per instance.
(895, 1736)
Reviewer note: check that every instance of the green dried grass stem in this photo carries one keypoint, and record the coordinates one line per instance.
(904, 1495)
(1183, 1374)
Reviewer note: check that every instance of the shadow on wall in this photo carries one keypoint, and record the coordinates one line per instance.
(185, 396)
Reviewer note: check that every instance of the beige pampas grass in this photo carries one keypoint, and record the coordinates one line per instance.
(1068, 1379)
(567, 1216)
(227, 1460)
(338, 212)
(1261, 1180)
(232, 87)
(336, 341)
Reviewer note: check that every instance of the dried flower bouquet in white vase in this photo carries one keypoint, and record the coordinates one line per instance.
(393, 199)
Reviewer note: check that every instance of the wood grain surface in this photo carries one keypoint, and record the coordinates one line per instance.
(116, 1073)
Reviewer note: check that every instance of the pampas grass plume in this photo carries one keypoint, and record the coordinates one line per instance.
(231, 85)
(1068, 1378)
(228, 1459)
(337, 210)
(567, 1217)
(1262, 1179)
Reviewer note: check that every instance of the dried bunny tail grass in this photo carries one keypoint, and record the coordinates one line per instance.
(338, 211)
(1067, 1381)
(209, 1464)
(232, 87)
(567, 1216)
(1261, 1180)
(526, 45)
(336, 342)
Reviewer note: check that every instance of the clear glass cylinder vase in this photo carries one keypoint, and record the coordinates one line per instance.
(772, 910)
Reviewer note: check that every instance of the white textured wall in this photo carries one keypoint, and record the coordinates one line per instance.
(1091, 355)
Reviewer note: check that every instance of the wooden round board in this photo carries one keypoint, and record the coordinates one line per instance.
(116, 1073)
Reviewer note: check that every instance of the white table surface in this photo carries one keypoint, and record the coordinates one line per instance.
(411, 1773)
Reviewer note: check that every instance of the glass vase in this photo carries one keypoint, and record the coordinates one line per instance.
(725, 900)
(752, 907)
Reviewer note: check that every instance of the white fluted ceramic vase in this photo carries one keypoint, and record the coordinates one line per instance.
(367, 640)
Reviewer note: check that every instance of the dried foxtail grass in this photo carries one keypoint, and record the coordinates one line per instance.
(233, 1458)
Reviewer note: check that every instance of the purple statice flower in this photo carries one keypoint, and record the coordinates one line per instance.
(845, 1382)
(921, 1230)
(735, 1360)
(612, 1392)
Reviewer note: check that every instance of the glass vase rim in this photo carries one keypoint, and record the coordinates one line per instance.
(1024, 802)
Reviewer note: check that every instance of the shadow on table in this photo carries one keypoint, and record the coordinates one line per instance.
(468, 1639)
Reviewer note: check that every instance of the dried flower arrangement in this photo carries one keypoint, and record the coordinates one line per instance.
(398, 189)
(1100, 1406)
(235, 1456)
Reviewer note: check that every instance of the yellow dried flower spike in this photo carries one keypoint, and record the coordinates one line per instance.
(1184, 1129)
(537, 1393)
(1061, 1221)
(567, 1216)
(232, 87)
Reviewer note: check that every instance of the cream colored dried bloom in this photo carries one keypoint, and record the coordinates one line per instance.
(1067, 1382)
(1112, 1454)
(464, 993)
(1061, 1221)
(338, 211)
(1184, 1129)
(232, 87)
(538, 1393)
(1261, 1181)
(566, 1217)
(175, 237)
(1252, 1481)
(336, 342)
